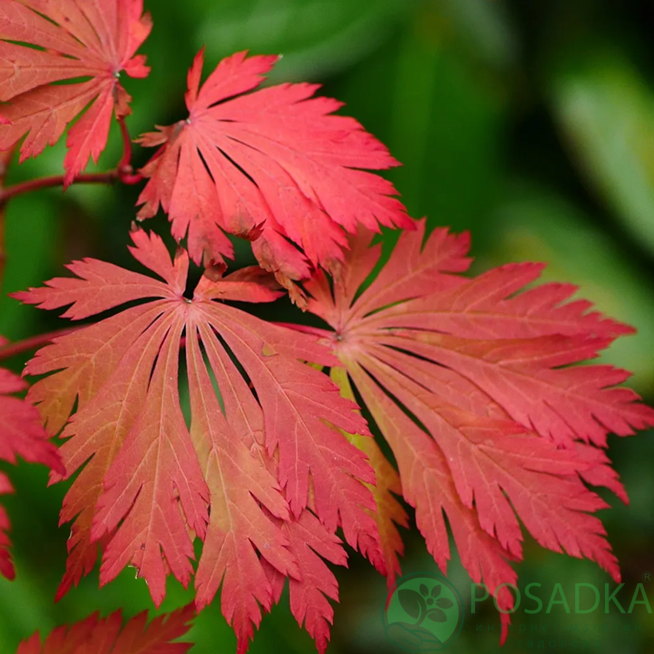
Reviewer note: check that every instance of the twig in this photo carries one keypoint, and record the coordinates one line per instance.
(125, 169)
(56, 180)
(124, 173)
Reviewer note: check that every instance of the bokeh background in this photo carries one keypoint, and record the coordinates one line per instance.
(529, 123)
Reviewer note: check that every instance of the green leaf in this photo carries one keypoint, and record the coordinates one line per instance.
(606, 110)
(479, 29)
(316, 36)
(447, 121)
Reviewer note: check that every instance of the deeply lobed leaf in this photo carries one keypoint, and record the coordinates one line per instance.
(276, 166)
(260, 458)
(474, 384)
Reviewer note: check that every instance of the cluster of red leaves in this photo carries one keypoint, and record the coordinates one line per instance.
(471, 382)
(108, 636)
(244, 442)
(274, 166)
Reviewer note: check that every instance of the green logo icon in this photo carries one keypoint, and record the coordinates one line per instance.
(423, 613)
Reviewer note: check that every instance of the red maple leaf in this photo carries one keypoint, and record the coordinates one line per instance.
(275, 166)
(94, 41)
(21, 434)
(109, 636)
(266, 450)
(473, 384)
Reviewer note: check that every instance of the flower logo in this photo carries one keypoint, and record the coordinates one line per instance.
(423, 613)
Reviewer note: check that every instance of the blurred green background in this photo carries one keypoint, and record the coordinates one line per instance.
(529, 123)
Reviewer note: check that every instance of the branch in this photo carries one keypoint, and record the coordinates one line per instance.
(124, 173)
(33, 343)
(56, 180)
(125, 169)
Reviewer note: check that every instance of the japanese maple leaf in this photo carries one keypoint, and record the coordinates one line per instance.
(473, 384)
(275, 166)
(21, 434)
(109, 636)
(84, 44)
(148, 479)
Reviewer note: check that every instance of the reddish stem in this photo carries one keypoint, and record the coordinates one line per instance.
(126, 161)
(124, 173)
(129, 178)
(33, 343)
(125, 169)
(55, 180)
